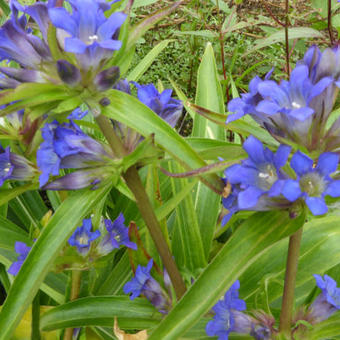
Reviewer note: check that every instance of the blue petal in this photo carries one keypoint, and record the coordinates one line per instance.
(327, 163)
(110, 44)
(333, 189)
(319, 87)
(281, 155)
(291, 190)
(62, 19)
(248, 198)
(107, 29)
(316, 205)
(301, 163)
(302, 113)
(267, 107)
(254, 149)
(270, 89)
(75, 45)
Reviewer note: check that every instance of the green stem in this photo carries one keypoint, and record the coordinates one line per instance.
(286, 37)
(35, 333)
(75, 287)
(135, 184)
(289, 285)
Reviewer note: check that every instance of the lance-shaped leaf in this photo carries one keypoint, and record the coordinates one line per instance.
(131, 112)
(101, 311)
(44, 251)
(255, 235)
(209, 95)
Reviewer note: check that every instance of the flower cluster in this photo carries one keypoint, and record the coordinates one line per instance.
(144, 283)
(84, 31)
(116, 236)
(229, 317)
(66, 146)
(295, 112)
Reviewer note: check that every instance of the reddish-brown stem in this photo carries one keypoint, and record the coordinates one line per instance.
(273, 15)
(330, 29)
(286, 38)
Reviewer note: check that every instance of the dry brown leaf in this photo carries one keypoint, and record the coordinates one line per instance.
(121, 335)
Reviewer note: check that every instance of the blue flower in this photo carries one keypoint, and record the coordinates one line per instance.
(168, 108)
(87, 31)
(136, 285)
(15, 167)
(117, 235)
(144, 283)
(327, 303)
(65, 146)
(22, 250)
(82, 237)
(258, 180)
(313, 183)
(248, 101)
(227, 319)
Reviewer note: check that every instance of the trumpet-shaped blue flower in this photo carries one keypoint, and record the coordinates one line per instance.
(22, 250)
(227, 317)
(83, 237)
(15, 167)
(327, 303)
(258, 179)
(87, 32)
(168, 108)
(313, 183)
(117, 235)
(144, 283)
(65, 146)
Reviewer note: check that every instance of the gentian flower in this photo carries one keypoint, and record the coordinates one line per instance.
(313, 183)
(117, 235)
(65, 146)
(87, 32)
(144, 283)
(83, 236)
(227, 317)
(292, 111)
(257, 181)
(22, 250)
(327, 303)
(15, 167)
(166, 107)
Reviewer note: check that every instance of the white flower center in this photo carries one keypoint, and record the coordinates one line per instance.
(92, 39)
(296, 105)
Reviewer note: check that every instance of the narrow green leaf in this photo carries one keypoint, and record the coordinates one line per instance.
(4, 6)
(293, 33)
(8, 194)
(130, 111)
(249, 241)
(146, 62)
(328, 329)
(187, 245)
(101, 311)
(209, 95)
(42, 254)
(138, 30)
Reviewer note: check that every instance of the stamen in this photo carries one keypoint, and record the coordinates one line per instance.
(296, 105)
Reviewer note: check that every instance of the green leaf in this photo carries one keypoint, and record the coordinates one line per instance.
(8, 194)
(187, 245)
(100, 311)
(277, 37)
(203, 33)
(143, 26)
(319, 252)
(146, 62)
(249, 241)
(131, 112)
(208, 95)
(42, 255)
(4, 6)
(327, 329)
